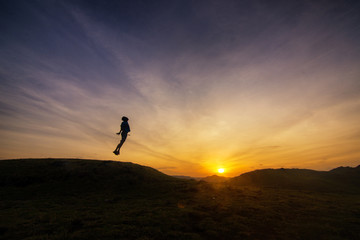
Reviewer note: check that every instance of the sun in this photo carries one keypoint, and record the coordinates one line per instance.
(221, 170)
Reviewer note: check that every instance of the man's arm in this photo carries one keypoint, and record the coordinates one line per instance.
(118, 133)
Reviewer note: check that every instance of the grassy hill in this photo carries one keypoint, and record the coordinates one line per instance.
(86, 199)
(89, 199)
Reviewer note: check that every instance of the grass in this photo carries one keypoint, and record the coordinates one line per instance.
(80, 199)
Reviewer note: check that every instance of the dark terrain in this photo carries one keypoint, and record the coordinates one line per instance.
(88, 199)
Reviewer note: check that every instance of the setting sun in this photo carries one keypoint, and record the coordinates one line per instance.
(221, 170)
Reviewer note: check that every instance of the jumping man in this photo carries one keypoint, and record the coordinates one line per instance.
(124, 130)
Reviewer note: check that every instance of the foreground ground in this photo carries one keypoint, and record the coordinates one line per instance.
(63, 199)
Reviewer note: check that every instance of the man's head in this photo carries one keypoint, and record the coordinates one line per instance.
(125, 119)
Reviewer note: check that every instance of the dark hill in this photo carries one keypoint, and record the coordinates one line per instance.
(77, 176)
(340, 179)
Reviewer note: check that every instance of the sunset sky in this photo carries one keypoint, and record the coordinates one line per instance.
(238, 85)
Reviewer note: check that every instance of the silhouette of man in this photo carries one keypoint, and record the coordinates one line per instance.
(124, 130)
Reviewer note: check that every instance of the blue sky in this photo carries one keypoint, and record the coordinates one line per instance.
(206, 84)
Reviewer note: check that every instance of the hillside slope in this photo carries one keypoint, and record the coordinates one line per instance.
(78, 176)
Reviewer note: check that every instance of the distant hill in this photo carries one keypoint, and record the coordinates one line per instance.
(339, 179)
(215, 179)
(186, 177)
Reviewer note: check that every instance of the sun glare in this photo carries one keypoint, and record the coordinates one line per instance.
(221, 170)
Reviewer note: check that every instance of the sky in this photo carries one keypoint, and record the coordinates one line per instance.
(206, 84)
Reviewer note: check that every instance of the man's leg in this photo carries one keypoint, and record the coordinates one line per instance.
(123, 138)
